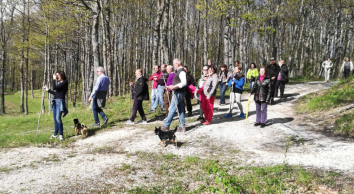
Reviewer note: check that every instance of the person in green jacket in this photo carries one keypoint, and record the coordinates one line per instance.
(252, 73)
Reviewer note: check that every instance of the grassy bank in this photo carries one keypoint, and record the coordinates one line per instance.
(331, 101)
(17, 129)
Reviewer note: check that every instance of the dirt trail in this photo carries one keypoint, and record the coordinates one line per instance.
(42, 169)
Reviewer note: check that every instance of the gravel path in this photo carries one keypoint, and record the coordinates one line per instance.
(43, 169)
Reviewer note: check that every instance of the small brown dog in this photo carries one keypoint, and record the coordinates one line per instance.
(80, 127)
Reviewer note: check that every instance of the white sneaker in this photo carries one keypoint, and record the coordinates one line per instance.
(129, 122)
(61, 138)
(53, 136)
(142, 122)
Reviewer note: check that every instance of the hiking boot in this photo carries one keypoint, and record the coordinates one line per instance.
(61, 138)
(241, 115)
(105, 121)
(189, 114)
(152, 110)
(263, 125)
(181, 129)
(257, 124)
(163, 128)
(53, 136)
(129, 122)
(142, 122)
(95, 125)
(228, 115)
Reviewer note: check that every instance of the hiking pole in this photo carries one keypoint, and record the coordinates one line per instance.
(168, 96)
(179, 117)
(40, 111)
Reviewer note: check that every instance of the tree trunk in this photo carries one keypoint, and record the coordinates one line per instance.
(158, 20)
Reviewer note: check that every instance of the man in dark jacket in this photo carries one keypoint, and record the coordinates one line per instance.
(190, 81)
(140, 92)
(273, 72)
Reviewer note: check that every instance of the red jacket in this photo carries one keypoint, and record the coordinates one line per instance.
(158, 75)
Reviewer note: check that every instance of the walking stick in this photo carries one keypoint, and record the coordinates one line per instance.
(168, 96)
(179, 117)
(40, 112)
(248, 105)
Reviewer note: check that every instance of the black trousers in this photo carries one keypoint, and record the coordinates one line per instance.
(274, 83)
(280, 85)
(138, 107)
(188, 101)
(346, 73)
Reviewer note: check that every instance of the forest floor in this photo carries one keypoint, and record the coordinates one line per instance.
(130, 160)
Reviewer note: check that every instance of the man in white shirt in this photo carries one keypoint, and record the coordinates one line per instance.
(327, 65)
(179, 87)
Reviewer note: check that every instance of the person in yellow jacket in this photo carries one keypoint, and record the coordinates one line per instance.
(252, 73)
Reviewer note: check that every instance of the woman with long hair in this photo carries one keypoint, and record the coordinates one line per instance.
(262, 93)
(58, 102)
(224, 77)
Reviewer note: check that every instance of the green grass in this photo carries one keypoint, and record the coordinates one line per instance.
(17, 129)
(339, 95)
(345, 124)
(218, 177)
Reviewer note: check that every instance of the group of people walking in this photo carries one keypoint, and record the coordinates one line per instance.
(345, 69)
(173, 87)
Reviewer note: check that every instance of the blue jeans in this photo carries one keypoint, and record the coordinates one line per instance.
(96, 110)
(179, 97)
(58, 124)
(153, 98)
(223, 88)
(251, 84)
(159, 98)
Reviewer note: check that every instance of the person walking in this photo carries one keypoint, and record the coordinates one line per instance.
(179, 91)
(160, 89)
(224, 77)
(154, 78)
(327, 65)
(168, 93)
(188, 97)
(262, 91)
(347, 67)
(58, 103)
(282, 79)
(252, 73)
(209, 91)
(140, 92)
(236, 84)
(201, 82)
(273, 72)
(98, 97)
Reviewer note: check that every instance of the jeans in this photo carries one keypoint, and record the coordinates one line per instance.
(222, 88)
(251, 84)
(168, 97)
(177, 97)
(159, 97)
(58, 124)
(346, 73)
(153, 98)
(138, 107)
(281, 85)
(96, 110)
(261, 111)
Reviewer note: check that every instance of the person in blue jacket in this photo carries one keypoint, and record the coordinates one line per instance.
(236, 85)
